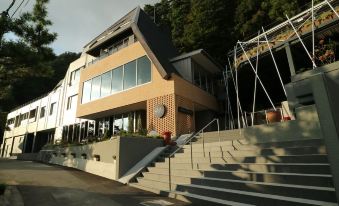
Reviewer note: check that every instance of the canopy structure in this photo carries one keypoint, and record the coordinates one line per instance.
(306, 32)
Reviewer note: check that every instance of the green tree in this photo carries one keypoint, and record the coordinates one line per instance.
(28, 58)
(209, 26)
(178, 18)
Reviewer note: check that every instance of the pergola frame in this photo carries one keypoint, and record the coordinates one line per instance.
(265, 37)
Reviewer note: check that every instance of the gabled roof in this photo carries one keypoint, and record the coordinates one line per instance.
(157, 45)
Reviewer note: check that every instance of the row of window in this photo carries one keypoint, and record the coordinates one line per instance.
(202, 78)
(131, 122)
(31, 115)
(129, 75)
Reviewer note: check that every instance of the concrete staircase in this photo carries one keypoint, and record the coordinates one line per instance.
(234, 172)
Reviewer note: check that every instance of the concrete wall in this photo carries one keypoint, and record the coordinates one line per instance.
(117, 156)
(132, 150)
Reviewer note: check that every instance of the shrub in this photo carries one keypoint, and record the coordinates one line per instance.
(2, 188)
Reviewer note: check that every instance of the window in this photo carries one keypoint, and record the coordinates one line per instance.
(130, 75)
(71, 101)
(86, 91)
(10, 121)
(74, 77)
(52, 108)
(95, 93)
(134, 73)
(24, 116)
(42, 112)
(117, 79)
(144, 70)
(106, 84)
(17, 121)
(32, 114)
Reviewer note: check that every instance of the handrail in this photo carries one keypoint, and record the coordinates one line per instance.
(189, 140)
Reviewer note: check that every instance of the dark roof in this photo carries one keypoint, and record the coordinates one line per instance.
(201, 57)
(157, 44)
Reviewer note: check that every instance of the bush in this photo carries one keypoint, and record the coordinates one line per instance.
(2, 189)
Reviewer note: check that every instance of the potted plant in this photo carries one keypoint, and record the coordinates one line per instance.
(273, 116)
(167, 137)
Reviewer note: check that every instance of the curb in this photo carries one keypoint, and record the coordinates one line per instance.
(11, 197)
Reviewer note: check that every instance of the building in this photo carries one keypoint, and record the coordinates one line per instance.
(128, 78)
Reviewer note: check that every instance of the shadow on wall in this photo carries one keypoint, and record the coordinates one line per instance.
(306, 126)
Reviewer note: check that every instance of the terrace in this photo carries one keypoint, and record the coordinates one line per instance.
(270, 60)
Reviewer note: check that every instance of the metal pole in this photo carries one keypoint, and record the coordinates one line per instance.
(191, 155)
(203, 142)
(336, 13)
(235, 85)
(255, 80)
(313, 51)
(262, 85)
(301, 41)
(238, 102)
(169, 174)
(275, 63)
(218, 130)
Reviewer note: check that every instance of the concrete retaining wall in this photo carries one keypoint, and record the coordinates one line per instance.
(117, 156)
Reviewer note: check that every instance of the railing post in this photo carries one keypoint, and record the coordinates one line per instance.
(219, 131)
(169, 174)
(191, 155)
(203, 142)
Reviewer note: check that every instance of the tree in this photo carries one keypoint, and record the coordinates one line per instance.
(26, 59)
(178, 18)
(209, 26)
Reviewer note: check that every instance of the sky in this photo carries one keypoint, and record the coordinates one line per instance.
(77, 22)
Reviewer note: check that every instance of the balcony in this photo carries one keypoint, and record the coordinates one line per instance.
(117, 46)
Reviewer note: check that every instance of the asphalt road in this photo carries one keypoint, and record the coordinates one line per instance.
(41, 184)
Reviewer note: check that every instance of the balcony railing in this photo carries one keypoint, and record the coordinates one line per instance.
(114, 48)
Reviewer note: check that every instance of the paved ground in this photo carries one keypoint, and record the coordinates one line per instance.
(41, 184)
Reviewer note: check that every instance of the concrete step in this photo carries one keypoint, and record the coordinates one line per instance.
(280, 178)
(258, 152)
(318, 158)
(307, 168)
(189, 197)
(244, 144)
(255, 198)
(291, 190)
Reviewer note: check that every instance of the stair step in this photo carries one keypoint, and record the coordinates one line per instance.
(308, 168)
(299, 191)
(243, 143)
(189, 197)
(318, 158)
(203, 200)
(250, 197)
(258, 152)
(279, 178)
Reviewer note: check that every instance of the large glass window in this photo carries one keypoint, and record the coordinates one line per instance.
(130, 75)
(86, 91)
(95, 94)
(106, 84)
(117, 79)
(144, 70)
(134, 73)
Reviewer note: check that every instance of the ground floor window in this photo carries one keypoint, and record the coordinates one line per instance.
(130, 122)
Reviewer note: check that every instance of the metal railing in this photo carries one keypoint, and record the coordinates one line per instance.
(189, 140)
